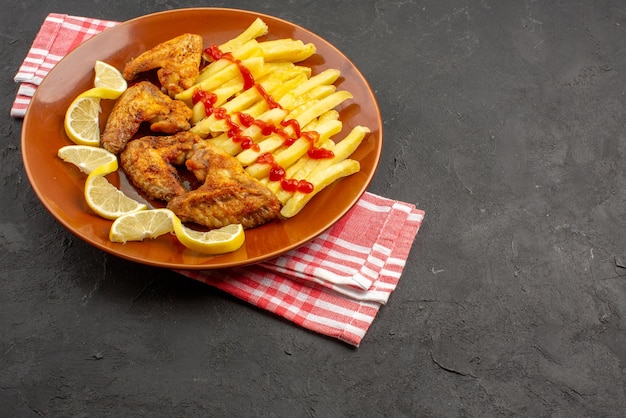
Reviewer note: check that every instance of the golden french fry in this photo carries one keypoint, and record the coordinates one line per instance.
(344, 148)
(307, 168)
(315, 94)
(243, 101)
(248, 50)
(229, 73)
(222, 95)
(309, 100)
(253, 132)
(286, 50)
(326, 77)
(323, 105)
(269, 144)
(320, 181)
(256, 29)
(326, 130)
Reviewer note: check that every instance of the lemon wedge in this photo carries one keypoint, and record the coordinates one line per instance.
(82, 123)
(105, 199)
(108, 82)
(145, 224)
(217, 241)
(109, 77)
(88, 158)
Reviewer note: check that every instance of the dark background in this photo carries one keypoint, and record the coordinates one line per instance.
(504, 121)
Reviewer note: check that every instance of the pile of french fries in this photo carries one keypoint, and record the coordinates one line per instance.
(309, 99)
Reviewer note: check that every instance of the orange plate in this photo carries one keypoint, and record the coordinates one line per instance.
(59, 185)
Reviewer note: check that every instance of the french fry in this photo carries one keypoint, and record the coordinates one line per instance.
(323, 105)
(320, 181)
(286, 157)
(326, 77)
(254, 132)
(248, 50)
(242, 102)
(230, 73)
(296, 171)
(344, 148)
(290, 95)
(286, 50)
(256, 29)
(222, 94)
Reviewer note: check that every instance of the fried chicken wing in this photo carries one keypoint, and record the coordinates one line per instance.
(143, 102)
(149, 163)
(228, 195)
(178, 60)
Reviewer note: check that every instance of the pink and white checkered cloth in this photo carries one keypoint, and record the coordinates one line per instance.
(334, 285)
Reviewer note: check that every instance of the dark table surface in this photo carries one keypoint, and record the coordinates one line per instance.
(504, 121)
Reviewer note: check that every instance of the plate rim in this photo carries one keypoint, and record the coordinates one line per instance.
(201, 266)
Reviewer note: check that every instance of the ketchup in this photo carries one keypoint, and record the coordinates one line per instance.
(207, 99)
(269, 99)
(277, 173)
(214, 52)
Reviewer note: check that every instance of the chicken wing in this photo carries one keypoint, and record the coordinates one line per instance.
(178, 60)
(149, 163)
(228, 195)
(143, 102)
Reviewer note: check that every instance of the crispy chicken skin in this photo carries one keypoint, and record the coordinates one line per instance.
(177, 59)
(228, 195)
(143, 102)
(149, 163)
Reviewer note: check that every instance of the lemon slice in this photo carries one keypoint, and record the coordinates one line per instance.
(217, 241)
(88, 158)
(109, 77)
(108, 82)
(145, 224)
(81, 121)
(105, 199)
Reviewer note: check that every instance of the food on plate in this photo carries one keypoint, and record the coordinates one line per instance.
(143, 102)
(228, 195)
(253, 124)
(279, 115)
(105, 199)
(145, 224)
(88, 158)
(177, 60)
(321, 173)
(217, 241)
(149, 163)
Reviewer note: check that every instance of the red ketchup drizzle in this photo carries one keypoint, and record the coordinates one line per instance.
(214, 52)
(277, 173)
(268, 98)
(207, 99)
